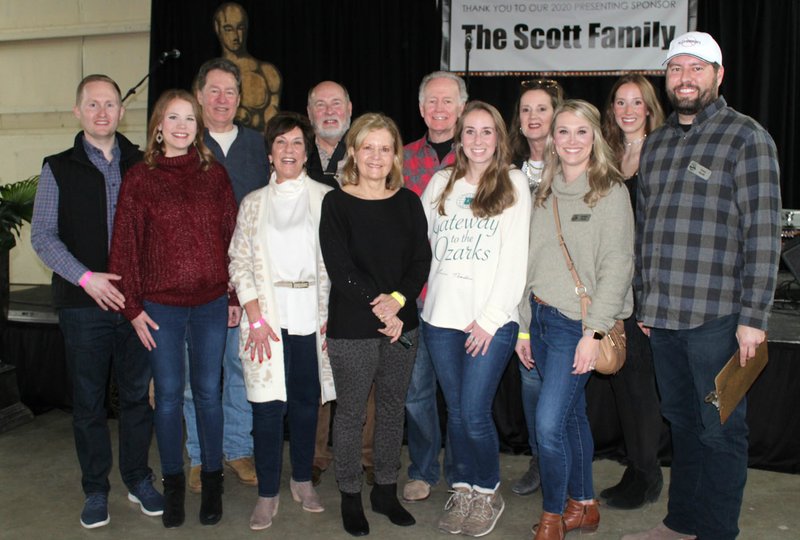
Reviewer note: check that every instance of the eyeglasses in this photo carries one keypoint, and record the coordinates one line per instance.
(539, 84)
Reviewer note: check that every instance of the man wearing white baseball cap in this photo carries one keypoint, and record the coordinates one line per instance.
(708, 241)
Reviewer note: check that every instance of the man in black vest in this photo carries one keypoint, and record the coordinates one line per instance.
(71, 232)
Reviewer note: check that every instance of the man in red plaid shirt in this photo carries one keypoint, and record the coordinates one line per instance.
(442, 96)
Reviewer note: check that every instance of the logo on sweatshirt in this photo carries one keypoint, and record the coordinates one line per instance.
(465, 201)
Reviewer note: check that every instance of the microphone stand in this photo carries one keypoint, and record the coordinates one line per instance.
(467, 49)
(153, 69)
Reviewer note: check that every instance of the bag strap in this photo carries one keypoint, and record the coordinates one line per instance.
(580, 288)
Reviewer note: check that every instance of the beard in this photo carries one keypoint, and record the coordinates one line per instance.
(334, 133)
(692, 106)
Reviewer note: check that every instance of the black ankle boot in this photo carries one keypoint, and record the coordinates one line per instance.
(353, 518)
(174, 498)
(211, 497)
(384, 501)
(621, 486)
(644, 488)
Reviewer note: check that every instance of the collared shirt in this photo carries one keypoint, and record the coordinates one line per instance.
(420, 163)
(245, 161)
(44, 235)
(327, 168)
(324, 156)
(707, 221)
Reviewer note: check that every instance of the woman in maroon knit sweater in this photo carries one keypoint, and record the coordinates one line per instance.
(175, 217)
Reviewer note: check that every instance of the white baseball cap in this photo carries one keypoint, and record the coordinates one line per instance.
(697, 44)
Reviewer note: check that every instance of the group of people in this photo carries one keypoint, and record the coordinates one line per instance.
(366, 272)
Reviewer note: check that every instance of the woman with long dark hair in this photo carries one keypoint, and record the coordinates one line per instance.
(530, 126)
(632, 113)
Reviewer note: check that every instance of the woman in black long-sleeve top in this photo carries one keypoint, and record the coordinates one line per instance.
(373, 236)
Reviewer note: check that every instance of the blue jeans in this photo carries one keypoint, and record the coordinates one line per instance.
(204, 328)
(469, 385)
(709, 459)
(237, 440)
(302, 392)
(531, 388)
(422, 421)
(562, 427)
(95, 340)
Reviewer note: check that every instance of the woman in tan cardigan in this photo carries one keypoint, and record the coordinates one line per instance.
(281, 281)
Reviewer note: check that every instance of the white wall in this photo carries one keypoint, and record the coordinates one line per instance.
(46, 48)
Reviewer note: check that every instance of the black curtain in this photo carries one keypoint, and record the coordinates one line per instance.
(760, 41)
(378, 50)
(381, 50)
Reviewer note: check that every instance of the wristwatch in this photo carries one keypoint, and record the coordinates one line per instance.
(594, 333)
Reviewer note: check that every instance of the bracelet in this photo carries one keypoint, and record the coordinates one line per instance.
(524, 335)
(85, 278)
(399, 297)
(258, 324)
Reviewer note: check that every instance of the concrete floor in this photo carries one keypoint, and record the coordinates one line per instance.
(40, 498)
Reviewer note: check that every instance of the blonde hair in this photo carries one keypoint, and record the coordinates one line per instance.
(601, 171)
(96, 77)
(361, 127)
(155, 148)
(612, 132)
(495, 191)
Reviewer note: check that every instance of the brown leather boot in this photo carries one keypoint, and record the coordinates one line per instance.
(585, 517)
(550, 527)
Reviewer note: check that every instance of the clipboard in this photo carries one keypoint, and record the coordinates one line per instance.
(733, 381)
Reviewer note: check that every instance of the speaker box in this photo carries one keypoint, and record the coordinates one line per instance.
(791, 257)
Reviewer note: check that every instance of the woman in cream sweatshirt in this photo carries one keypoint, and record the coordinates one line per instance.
(478, 212)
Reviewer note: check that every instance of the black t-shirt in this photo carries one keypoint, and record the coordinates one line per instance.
(442, 148)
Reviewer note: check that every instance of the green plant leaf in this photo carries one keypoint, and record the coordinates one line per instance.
(16, 208)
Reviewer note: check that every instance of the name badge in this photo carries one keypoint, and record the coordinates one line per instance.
(581, 217)
(697, 169)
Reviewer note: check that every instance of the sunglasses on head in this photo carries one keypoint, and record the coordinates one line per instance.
(537, 84)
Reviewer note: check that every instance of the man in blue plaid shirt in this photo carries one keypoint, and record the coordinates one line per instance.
(708, 241)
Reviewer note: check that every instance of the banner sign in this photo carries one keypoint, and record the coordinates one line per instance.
(561, 35)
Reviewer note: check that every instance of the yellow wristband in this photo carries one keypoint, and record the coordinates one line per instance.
(399, 297)
(524, 335)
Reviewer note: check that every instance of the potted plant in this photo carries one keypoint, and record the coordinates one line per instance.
(16, 207)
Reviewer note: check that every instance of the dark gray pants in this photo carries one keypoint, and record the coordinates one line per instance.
(356, 363)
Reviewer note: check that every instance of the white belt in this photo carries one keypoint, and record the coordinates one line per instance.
(294, 284)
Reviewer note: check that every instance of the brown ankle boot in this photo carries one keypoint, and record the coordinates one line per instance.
(585, 517)
(550, 527)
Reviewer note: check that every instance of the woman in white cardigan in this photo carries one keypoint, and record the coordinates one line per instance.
(280, 278)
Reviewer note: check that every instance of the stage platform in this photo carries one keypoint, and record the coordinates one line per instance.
(33, 343)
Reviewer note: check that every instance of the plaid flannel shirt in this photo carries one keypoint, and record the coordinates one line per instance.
(708, 221)
(420, 162)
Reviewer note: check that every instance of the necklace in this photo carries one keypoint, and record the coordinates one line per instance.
(533, 170)
(637, 141)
